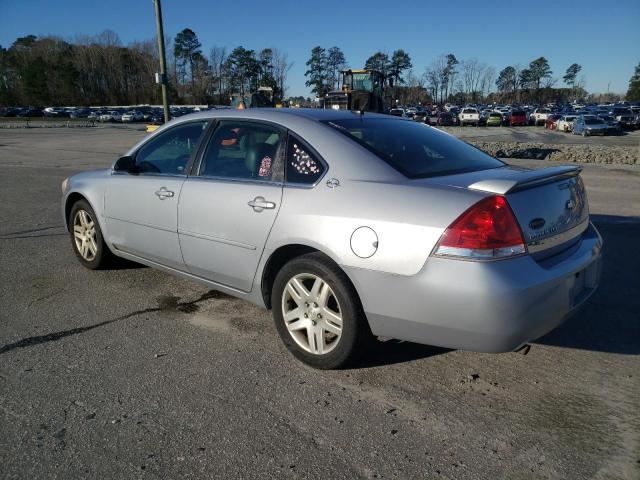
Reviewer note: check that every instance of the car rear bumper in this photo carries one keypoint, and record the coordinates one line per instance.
(482, 306)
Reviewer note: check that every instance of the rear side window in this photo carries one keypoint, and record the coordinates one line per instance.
(243, 151)
(303, 165)
(414, 149)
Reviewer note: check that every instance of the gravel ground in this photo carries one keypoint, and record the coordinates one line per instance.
(132, 373)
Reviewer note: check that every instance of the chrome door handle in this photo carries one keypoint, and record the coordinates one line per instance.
(164, 193)
(259, 204)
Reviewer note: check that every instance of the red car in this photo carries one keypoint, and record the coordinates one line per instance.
(518, 117)
(552, 121)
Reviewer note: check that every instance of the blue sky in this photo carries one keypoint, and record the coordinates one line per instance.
(603, 37)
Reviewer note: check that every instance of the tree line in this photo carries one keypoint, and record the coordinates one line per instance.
(447, 79)
(100, 70)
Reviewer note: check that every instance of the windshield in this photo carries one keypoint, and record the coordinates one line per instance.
(415, 150)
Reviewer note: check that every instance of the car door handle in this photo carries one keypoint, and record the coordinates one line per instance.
(259, 204)
(164, 193)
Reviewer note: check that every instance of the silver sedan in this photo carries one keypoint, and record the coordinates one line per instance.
(347, 226)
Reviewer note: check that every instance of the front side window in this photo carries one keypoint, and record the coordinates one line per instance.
(303, 166)
(244, 151)
(169, 152)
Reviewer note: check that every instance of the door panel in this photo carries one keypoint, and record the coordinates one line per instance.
(227, 210)
(141, 221)
(221, 236)
(141, 206)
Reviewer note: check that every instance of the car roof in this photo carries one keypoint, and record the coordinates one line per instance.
(286, 114)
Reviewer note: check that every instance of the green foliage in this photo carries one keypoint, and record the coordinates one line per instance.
(317, 73)
(633, 93)
(507, 81)
(400, 62)
(538, 70)
(379, 61)
(571, 74)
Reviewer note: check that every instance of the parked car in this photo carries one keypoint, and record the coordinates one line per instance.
(502, 255)
(469, 116)
(518, 117)
(565, 123)
(421, 116)
(624, 116)
(30, 112)
(80, 113)
(455, 115)
(539, 116)
(445, 119)
(132, 116)
(551, 123)
(56, 112)
(396, 112)
(613, 126)
(494, 119)
(587, 125)
(111, 116)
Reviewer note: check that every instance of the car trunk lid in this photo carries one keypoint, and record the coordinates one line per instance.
(550, 204)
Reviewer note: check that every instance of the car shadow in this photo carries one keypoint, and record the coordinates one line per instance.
(610, 320)
(389, 352)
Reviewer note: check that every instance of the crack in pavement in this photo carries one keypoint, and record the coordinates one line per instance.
(184, 307)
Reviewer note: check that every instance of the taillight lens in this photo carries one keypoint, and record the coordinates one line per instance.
(486, 231)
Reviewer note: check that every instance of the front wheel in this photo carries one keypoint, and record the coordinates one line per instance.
(86, 237)
(318, 314)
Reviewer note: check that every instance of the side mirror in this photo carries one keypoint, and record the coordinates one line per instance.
(125, 164)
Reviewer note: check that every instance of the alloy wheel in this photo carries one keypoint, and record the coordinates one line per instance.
(84, 235)
(312, 313)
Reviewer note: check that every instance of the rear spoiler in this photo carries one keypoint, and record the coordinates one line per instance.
(526, 179)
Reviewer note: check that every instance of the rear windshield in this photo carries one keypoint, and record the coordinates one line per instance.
(517, 113)
(593, 121)
(414, 149)
(469, 110)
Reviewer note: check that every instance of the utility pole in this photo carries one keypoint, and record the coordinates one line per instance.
(163, 61)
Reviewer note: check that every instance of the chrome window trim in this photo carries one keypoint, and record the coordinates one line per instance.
(235, 180)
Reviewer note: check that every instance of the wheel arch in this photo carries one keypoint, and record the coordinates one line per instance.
(71, 200)
(283, 254)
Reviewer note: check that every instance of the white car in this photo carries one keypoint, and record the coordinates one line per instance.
(132, 116)
(111, 116)
(539, 116)
(565, 123)
(469, 116)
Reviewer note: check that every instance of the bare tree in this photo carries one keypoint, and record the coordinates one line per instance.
(217, 59)
(281, 67)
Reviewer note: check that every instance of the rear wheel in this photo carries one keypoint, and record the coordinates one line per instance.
(318, 314)
(86, 237)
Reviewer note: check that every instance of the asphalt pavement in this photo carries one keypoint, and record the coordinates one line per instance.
(132, 373)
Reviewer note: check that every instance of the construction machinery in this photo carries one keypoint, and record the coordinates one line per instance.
(361, 90)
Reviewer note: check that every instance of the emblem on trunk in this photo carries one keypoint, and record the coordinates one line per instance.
(536, 223)
(570, 204)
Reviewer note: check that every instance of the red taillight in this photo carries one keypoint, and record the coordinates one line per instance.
(487, 230)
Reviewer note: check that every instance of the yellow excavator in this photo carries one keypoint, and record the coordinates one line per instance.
(362, 90)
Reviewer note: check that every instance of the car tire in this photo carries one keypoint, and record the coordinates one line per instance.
(86, 237)
(325, 326)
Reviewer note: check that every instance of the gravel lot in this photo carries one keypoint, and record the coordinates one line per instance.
(132, 373)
